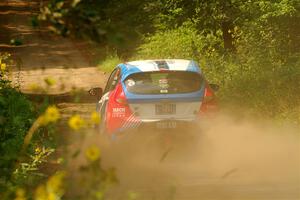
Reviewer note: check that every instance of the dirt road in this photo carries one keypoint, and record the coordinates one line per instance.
(41, 54)
(227, 161)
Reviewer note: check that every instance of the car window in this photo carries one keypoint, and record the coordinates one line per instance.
(113, 80)
(169, 82)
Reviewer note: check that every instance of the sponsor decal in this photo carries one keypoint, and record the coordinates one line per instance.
(162, 65)
(164, 85)
(131, 122)
(118, 112)
(130, 82)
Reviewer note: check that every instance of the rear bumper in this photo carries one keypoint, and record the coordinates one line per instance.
(174, 124)
(149, 129)
(158, 125)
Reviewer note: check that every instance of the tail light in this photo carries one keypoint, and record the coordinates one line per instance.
(208, 94)
(120, 97)
(209, 103)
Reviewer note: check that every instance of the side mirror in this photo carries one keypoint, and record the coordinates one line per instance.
(214, 87)
(97, 92)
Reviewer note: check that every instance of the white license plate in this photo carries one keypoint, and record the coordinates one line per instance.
(166, 125)
(165, 109)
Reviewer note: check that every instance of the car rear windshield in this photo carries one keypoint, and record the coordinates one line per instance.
(169, 82)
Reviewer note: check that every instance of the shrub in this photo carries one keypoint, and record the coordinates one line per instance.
(17, 114)
(183, 42)
(257, 76)
(16, 117)
(109, 63)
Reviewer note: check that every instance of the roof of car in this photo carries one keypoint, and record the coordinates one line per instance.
(159, 65)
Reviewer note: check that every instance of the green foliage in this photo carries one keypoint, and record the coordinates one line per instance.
(109, 63)
(180, 43)
(257, 76)
(183, 42)
(114, 22)
(26, 145)
(16, 117)
(26, 170)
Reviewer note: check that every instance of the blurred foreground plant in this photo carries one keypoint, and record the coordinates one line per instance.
(53, 189)
(28, 151)
(51, 115)
(21, 154)
(92, 153)
(4, 60)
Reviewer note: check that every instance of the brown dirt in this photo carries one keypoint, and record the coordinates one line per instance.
(43, 54)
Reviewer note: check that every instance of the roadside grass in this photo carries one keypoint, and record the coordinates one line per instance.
(109, 63)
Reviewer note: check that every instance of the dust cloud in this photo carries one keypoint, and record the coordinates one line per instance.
(220, 158)
(257, 151)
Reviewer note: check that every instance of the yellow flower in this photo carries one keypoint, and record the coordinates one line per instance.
(20, 194)
(92, 153)
(95, 118)
(76, 122)
(59, 5)
(40, 193)
(75, 2)
(53, 189)
(35, 87)
(38, 150)
(99, 195)
(50, 81)
(132, 195)
(52, 196)
(57, 15)
(3, 66)
(51, 115)
(55, 183)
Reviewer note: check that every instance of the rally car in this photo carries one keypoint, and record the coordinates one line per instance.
(163, 94)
